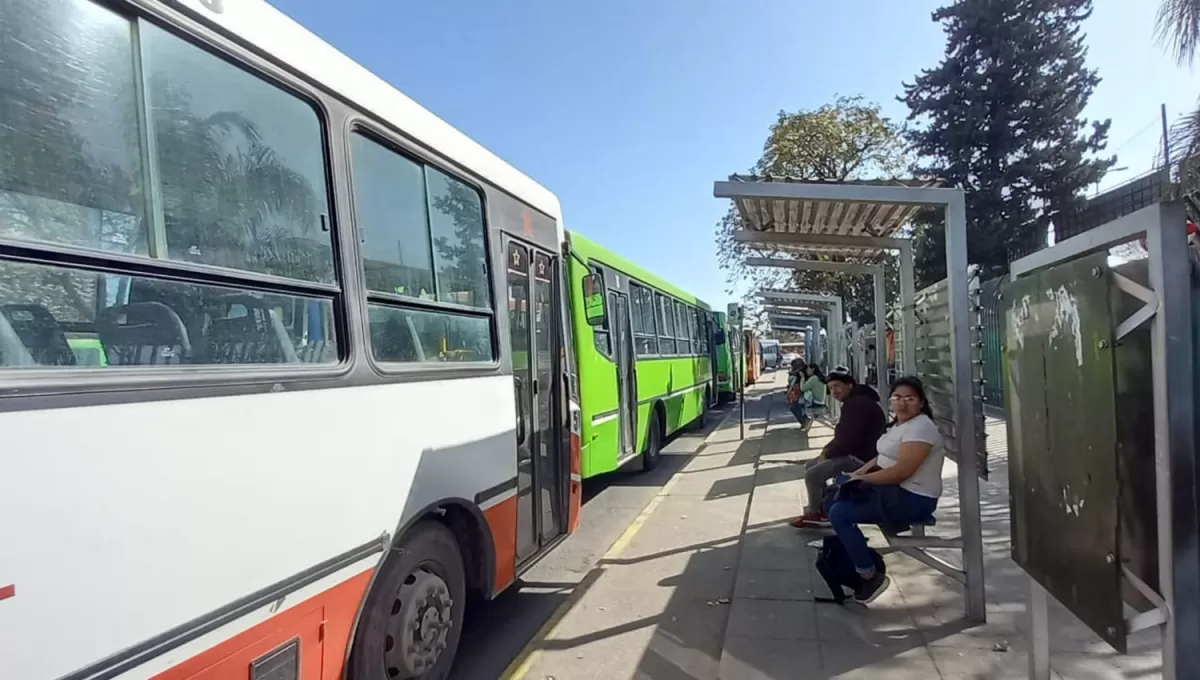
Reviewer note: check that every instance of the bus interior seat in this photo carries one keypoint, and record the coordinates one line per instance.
(143, 333)
(41, 334)
(13, 353)
(242, 329)
(393, 338)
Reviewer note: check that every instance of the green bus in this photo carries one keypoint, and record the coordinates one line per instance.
(729, 378)
(645, 353)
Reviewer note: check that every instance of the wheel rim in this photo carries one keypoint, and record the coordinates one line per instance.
(420, 621)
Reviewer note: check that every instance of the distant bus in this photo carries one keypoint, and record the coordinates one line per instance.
(770, 353)
(730, 372)
(646, 369)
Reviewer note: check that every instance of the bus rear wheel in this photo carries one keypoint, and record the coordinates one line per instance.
(413, 619)
(653, 453)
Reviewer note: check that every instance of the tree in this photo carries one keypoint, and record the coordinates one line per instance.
(1179, 28)
(848, 139)
(1001, 117)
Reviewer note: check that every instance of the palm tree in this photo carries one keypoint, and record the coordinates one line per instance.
(1178, 28)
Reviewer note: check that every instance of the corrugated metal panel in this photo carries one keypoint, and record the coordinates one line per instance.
(839, 218)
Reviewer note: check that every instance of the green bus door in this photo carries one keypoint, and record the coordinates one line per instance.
(623, 353)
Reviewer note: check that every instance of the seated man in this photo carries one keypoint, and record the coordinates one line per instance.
(901, 484)
(859, 427)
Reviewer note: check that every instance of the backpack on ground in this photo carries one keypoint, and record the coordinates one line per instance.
(834, 565)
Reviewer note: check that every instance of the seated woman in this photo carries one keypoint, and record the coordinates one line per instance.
(902, 483)
(814, 392)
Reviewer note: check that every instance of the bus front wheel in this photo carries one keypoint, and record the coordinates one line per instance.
(413, 619)
(654, 437)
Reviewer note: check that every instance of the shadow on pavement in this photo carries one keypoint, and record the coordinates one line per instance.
(496, 632)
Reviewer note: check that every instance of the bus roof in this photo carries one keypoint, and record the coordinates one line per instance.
(590, 250)
(273, 32)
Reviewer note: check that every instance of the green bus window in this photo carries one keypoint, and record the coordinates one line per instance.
(666, 325)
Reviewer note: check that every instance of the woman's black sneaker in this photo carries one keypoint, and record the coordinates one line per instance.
(872, 588)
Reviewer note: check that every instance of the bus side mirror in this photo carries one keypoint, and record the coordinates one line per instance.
(720, 337)
(593, 300)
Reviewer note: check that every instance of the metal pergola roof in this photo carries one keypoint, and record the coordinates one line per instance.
(831, 216)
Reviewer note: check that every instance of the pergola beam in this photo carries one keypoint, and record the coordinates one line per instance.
(816, 265)
(820, 240)
(836, 192)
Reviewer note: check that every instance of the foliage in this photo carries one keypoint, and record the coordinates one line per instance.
(848, 139)
(1001, 117)
(1178, 28)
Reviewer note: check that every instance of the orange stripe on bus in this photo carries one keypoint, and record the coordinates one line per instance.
(575, 508)
(322, 623)
(502, 520)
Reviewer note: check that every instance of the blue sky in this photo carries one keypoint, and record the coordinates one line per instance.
(630, 109)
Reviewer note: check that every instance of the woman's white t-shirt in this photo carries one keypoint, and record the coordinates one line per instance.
(927, 480)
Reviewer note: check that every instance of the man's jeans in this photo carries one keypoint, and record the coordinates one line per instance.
(886, 504)
(817, 474)
(798, 410)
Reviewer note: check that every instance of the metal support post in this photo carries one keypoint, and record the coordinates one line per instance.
(742, 381)
(1176, 475)
(1039, 632)
(908, 294)
(881, 361)
(964, 404)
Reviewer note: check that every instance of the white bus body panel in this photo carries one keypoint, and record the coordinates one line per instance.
(184, 506)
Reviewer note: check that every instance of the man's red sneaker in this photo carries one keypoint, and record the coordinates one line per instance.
(811, 520)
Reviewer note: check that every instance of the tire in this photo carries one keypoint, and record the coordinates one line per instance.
(653, 453)
(701, 420)
(418, 584)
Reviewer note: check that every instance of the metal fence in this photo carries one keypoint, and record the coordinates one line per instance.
(932, 344)
(991, 331)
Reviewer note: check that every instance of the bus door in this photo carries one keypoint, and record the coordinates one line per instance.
(542, 464)
(623, 353)
(710, 322)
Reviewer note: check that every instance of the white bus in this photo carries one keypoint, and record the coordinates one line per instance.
(284, 367)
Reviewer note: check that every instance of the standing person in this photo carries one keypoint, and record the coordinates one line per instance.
(904, 482)
(795, 391)
(814, 391)
(854, 437)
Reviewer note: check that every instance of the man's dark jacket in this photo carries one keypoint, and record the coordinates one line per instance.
(860, 426)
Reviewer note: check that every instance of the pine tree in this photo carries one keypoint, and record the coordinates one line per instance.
(1001, 117)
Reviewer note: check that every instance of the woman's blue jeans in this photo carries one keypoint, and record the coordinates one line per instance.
(885, 504)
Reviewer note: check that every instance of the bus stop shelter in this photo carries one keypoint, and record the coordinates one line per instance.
(864, 219)
(877, 278)
(828, 307)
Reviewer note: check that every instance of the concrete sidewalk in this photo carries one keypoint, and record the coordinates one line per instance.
(711, 582)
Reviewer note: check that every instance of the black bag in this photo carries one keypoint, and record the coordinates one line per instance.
(834, 565)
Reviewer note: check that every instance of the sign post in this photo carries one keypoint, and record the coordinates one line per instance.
(735, 316)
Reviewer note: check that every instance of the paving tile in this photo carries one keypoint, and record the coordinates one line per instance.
(873, 662)
(753, 658)
(776, 584)
(978, 664)
(775, 619)
(877, 624)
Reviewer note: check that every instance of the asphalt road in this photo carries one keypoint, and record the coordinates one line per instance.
(497, 631)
